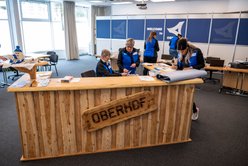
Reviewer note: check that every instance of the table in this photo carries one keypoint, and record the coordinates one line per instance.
(37, 56)
(53, 119)
(234, 78)
(31, 72)
(5, 79)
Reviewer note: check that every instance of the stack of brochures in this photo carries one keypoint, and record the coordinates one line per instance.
(66, 79)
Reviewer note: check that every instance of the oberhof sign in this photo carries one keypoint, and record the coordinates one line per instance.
(119, 110)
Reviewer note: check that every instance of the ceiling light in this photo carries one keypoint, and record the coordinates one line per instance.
(121, 3)
(162, 0)
(96, 1)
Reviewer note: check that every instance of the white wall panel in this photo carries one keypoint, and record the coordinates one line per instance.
(223, 51)
(241, 53)
(117, 43)
(102, 44)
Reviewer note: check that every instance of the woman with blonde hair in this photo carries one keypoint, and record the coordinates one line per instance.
(128, 58)
(151, 48)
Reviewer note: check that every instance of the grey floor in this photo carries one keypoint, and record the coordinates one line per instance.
(219, 137)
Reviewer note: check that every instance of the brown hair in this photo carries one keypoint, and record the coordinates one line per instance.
(105, 53)
(152, 34)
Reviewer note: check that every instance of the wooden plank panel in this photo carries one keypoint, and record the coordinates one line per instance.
(58, 120)
(83, 105)
(163, 99)
(39, 123)
(49, 122)
(46, 121)
(177, 113)
(128, 125)
(245, 82)
(189, 105)
(91, 136)
(157, 91)
(21, 108)
(136, 126)
(171, 118)
(29, 128)
(230, 79)
(71, 122)
(67, 119)
(54, 139)
(31, 123)
(97, 96)
(153, 127)
(106, 131)
(19, 121)
(113, 97)
(120, 127)
(78, 121)
(167, 114)
(184, 111)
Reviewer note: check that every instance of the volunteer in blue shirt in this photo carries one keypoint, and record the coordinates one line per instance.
(190, 56)
(103, 68)
(128, 58)
(173, 45)
(151, 48)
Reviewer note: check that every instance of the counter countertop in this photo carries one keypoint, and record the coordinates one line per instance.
(99, 83)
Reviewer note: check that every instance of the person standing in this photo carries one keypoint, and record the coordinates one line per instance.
(151, 48)
(128, 58)
(189, 56)
(173, 45)
(103, 68)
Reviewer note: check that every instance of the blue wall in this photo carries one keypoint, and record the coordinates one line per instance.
(223, 31)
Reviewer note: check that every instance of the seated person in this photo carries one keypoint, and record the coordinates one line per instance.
(103, 68)
(128, 58)
(191, 57)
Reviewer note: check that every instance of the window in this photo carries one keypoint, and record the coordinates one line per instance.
(83, 29)
(43, 28)
(3, 10)
(35, 10)
(5, 40)
(58, 30)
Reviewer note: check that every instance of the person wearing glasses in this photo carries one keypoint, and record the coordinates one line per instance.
(151, 48)
(189, 56)
(103, 68)
(128, 58)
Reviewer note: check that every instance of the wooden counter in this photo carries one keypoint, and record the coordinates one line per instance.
(52, 125)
